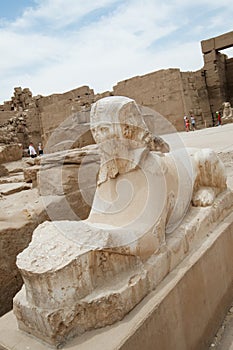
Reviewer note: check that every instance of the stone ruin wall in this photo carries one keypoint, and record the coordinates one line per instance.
(170, 92)
(5, 116)
(62, 110)
(26, 105)
(218, 70)
(215, 75)
(229, 69)
(19, 119)
(196, 97)
(160, 91)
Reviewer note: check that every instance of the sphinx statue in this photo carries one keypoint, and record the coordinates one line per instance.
(80, 275)
(227, 112)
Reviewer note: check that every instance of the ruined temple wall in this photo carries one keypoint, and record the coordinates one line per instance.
(23, 105)
(161, 91)
(33, 122)
(221, 67)
(192, 101)
(229, 75)
(204, 103)
(216, 81)
(171, 93)
(55, 112)
(196, 96)
(5, 116)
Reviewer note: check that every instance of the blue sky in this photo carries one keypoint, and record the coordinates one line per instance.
(52, 46)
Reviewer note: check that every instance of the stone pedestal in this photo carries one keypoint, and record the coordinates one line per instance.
(183, 312)
(78, 288)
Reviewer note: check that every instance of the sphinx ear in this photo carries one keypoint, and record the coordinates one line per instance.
(127, 131)
(159, 145)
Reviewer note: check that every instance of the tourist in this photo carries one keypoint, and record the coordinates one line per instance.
(187, 124)
(193, 122)
(40, 149)
(213, 121)
(32, 151)
(185, 117)
(219, 119)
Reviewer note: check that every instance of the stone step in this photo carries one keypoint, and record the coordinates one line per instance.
(14, 178)
(10, 188)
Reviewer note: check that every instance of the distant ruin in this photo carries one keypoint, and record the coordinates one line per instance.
(168, 91)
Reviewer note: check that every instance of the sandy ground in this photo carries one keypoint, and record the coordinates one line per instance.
(220, 139)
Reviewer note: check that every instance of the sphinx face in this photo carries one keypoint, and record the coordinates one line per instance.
(118, 118)
(121, 134)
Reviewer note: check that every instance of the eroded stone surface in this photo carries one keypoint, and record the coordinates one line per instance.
(9, 153)
(227, 115)
(10, 188)
(20, 213)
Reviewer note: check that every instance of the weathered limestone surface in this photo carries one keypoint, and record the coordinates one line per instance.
(141, 226)
(161, 91)
(23, 122)
(15, 130)
(30, 174)
(3, 170)
(5, 116)
(217, 70)
(229, 68)
(71, 175)
(73, 132)
(200, 286)
(9, 153)
(7, 189)
(20, 213)
(65, 118)
(227, 115)
(218, 43)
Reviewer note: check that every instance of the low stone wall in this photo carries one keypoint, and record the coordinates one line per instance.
(70, 175)
(13, 241)
(10, 153)
(5, 116)
(190, 304)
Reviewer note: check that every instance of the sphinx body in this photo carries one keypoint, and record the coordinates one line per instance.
(81, 275)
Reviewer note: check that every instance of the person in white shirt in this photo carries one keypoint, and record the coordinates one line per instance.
(40, 149)
(32, 151)
(193, 122)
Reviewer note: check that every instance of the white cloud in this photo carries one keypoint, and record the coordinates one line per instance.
(59, 13)
(51, 48)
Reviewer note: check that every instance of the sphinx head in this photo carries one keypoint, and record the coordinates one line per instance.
(119, 118)
(119, 130)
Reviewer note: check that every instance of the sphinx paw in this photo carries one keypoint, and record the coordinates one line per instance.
(203, 197)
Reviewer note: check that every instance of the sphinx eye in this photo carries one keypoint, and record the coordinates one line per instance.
(104, 129)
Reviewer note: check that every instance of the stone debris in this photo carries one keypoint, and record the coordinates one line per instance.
(224, 335)
(11, 152)
(10, 188)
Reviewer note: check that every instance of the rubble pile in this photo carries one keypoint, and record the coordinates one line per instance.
(22, 98)
(15, 130)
